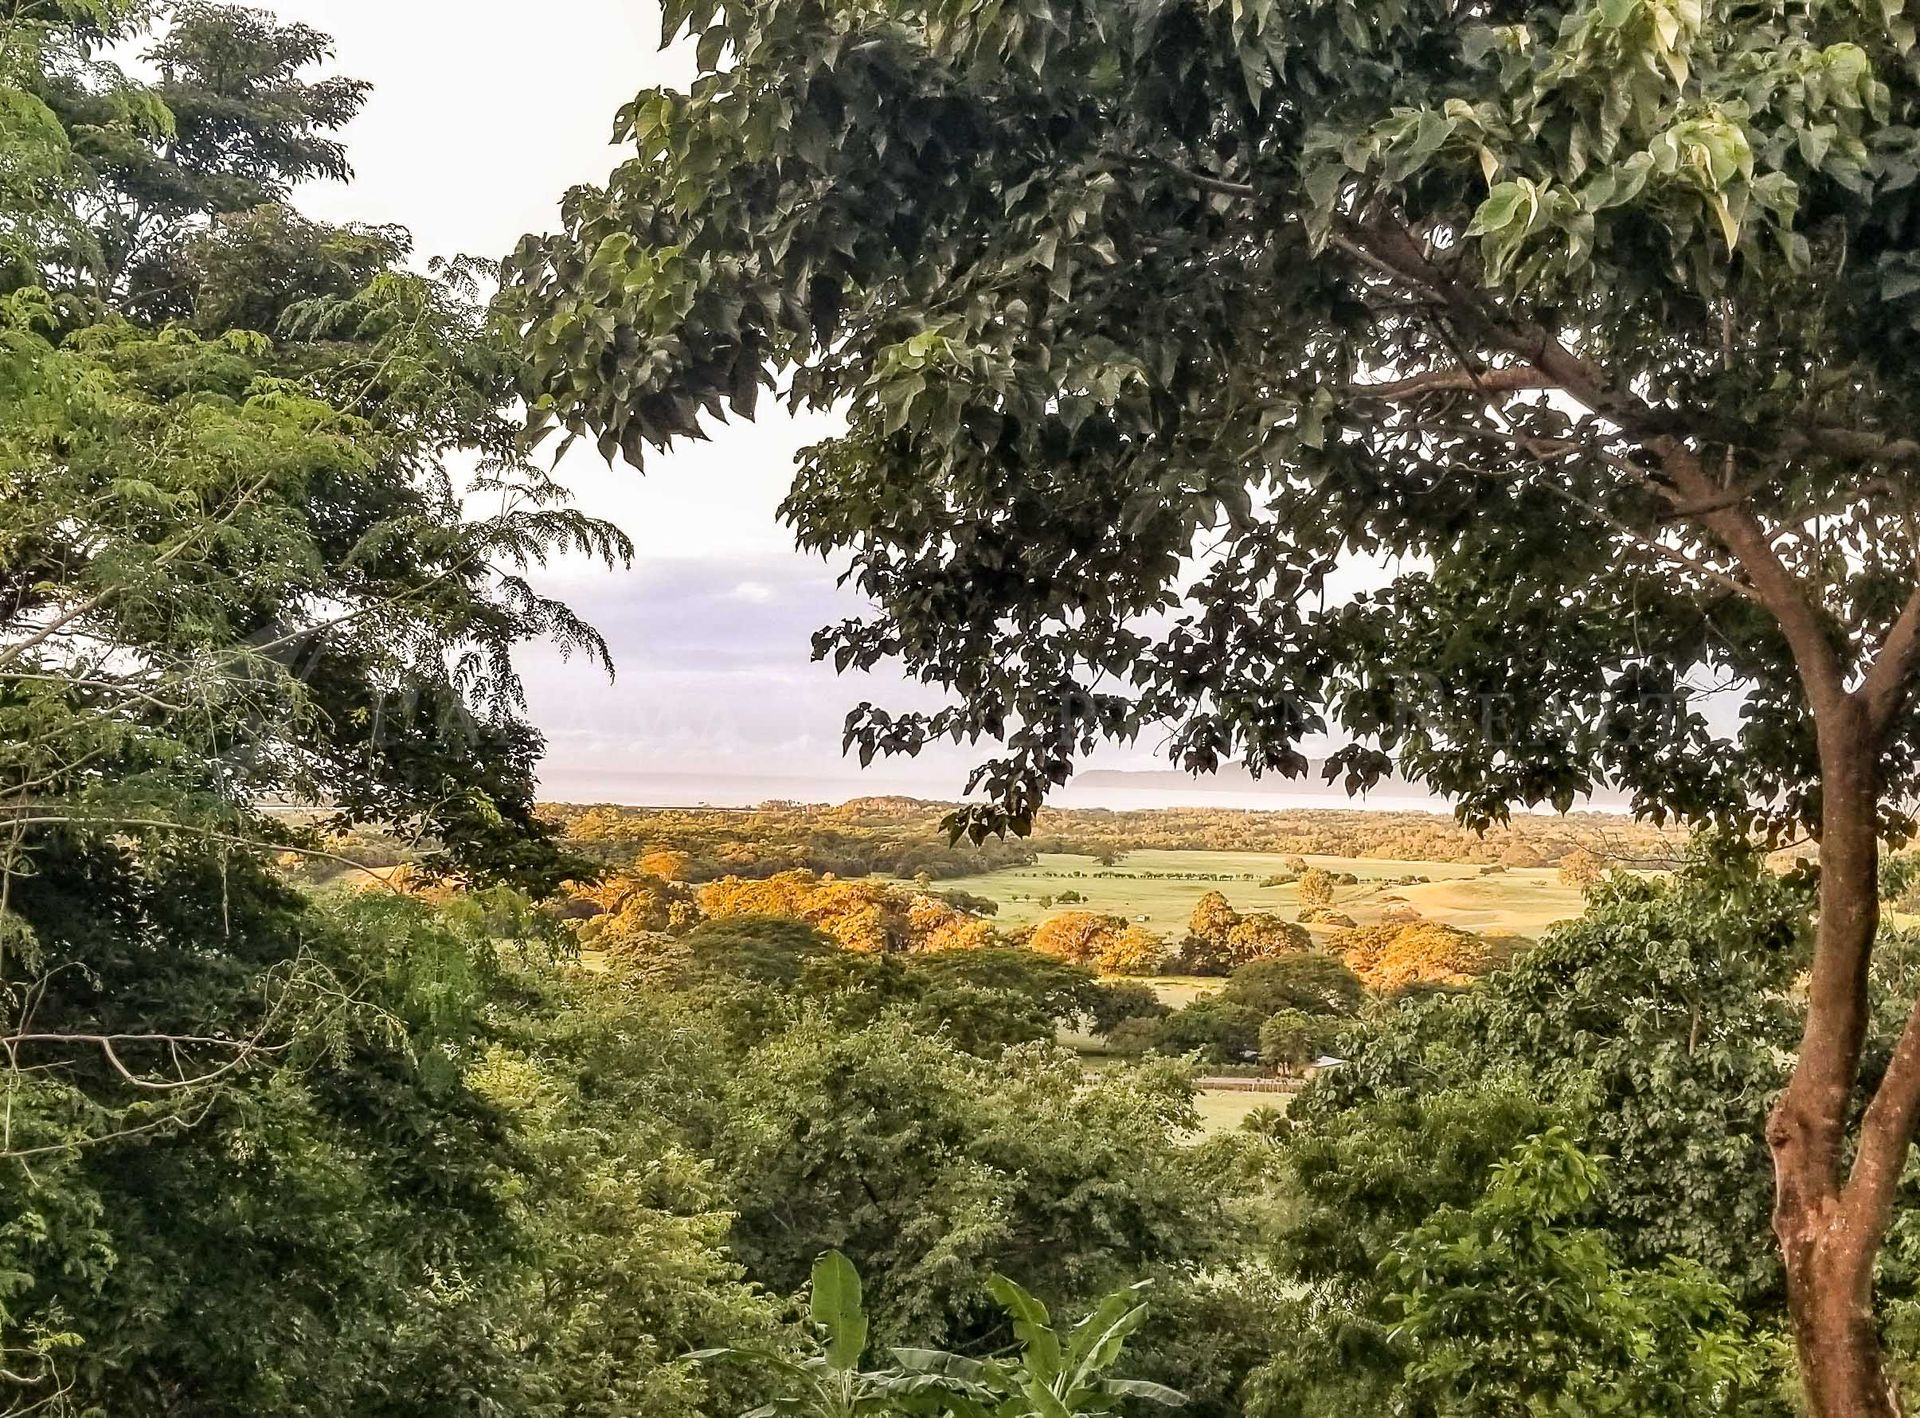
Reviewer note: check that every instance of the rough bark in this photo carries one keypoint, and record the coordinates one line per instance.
(1830, 1223)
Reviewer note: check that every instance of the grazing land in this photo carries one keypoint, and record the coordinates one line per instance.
(1158, 889)
(1224, 1109)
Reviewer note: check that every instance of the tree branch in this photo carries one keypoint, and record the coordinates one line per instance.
(1219, 186)
(1392, 249)
(1456, 381)
(1891, 674)
(1886, 1134)
(1854, 444)
(244, 1051)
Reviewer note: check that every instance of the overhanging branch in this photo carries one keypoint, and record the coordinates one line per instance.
(1456, 381)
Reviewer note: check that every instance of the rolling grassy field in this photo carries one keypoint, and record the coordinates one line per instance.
(1159, 889)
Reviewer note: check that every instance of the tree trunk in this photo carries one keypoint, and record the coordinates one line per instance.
(1830, 1289)
(1830, 1225)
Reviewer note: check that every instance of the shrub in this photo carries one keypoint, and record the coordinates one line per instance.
(1316, 887)
(1324, 916)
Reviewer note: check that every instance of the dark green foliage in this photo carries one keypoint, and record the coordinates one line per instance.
(1654, 1032)
(1056, 1371)
(979, 1020)
(928, 1167)
(1311, 984)
(966, 901)
(1120, 1000)
(247, 123)
(289, 1245)
(1217, 1029)
(1210, 1330)
(1899, 875)
(237, 567)
(245, 1172)
(767, 950)
(1064, 990)
(1513, 1306)
(1290, 1039)
(1365, 1175)
(1659, 1021)
(1101, 286)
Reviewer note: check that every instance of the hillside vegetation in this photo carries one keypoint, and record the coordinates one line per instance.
(903, 837)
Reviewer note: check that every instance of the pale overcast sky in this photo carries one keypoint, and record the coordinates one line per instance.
(481, 115)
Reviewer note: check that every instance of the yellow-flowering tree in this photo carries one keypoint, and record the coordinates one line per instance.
(1111, 944)
(1393, 957)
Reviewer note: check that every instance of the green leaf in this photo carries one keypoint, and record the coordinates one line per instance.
(1151, 1392)
(1031, 1326)
(835, 1306)
(1097, 1344)
(1500, 208)
(1045, 1403)
(939, 1361)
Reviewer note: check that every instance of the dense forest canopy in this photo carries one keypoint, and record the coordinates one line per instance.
(338, 1076)
(1584, 328)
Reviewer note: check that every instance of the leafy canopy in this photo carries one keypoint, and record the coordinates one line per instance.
(1577, 328)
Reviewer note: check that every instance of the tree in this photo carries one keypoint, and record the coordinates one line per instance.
(862, 915)
(1658, 1026)
(1219, 938)
(1064, 990)
(1313, 984)
(928, 1167)
(1118, 1001)
(1581, 868)
(1218, 1030)
(1316, 887)
(1290, 1039)
(666, 864)
(244, 565)
(634, 904)
(238, 567)
(970, 903)
(1109, 943)
(1390, 957)
(1261, 935)
(1585, 328)
(246, 124)
(1212, 917)
(763, 949)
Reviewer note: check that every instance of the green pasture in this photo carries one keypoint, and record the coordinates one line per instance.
(1223, 1109)
(1159, 888)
